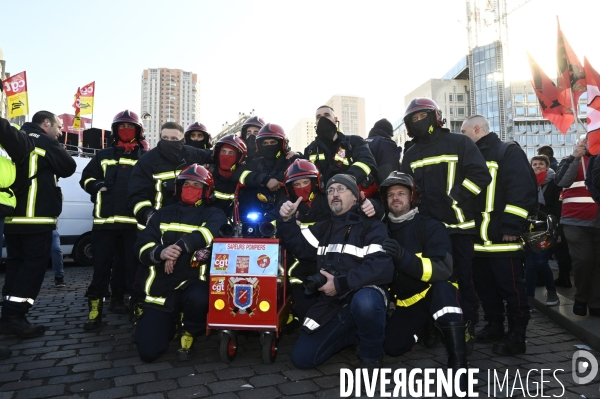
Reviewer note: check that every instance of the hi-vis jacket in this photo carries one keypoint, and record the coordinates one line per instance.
(427, 260)
(503, 207)
(449, 172)
(348, 154)
(152, 182)
(111, 168)
(17, 146)
(359, 262)
(578, 206)
(39, 199)
(192, 228)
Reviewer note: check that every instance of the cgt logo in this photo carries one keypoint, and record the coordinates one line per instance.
(14, 87)
(87, 91)
(581, 362)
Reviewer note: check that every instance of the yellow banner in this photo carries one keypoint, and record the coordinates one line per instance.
(77, 122)
(86, 104)
(18, 105)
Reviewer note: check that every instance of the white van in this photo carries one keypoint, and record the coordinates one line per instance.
(76, 220)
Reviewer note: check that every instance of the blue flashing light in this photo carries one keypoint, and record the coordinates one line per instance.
(254, 216)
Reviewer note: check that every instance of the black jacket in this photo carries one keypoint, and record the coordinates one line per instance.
(224, 190)
(15, 142)
(192, 229)
(427, 260)
(510, 198)
(111, 168)
(39, 199)
(152, 182)
(347, 154)
(449, 173)
(385, 152)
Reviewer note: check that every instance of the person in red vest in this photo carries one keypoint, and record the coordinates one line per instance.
(581, 225)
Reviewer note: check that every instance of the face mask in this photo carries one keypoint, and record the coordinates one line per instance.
(191, 195)
(424, 127)
(326, 129)
(126, 134)
(304, 192)
(196, 144)
(226, 162)
(171, 149)
(270, 151)
(251, 144)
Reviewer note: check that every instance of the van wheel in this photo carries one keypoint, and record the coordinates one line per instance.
(82, 251)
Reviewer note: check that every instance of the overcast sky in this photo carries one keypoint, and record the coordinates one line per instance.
(281, 58)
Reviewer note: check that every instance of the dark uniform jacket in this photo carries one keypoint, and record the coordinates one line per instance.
(39, 199)
(449, 172)
(427, 260)
(18, 146)
(347, 154)
(356, 256)
(192, 229)
(224, 190)
(152, 182)
(385, 152)
(111, 168)
(504, 206)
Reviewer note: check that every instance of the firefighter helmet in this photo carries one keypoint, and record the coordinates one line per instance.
(236, 143)
(302, 169)
(252, 121)
(402, 179)
(539, 235)
(197, 173)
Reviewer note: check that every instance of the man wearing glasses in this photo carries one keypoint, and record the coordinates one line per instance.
(354, 271)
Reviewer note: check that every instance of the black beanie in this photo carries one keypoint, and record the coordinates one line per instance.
(384, 127)
(348, 181)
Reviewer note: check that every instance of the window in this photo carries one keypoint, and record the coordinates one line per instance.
(531, 98)
(451, 111)
(460, 98)
(518, 98)
(532, 111)
(450, 98)
(582, 108)
(461, 110)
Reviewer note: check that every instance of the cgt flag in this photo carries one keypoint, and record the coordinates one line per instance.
(548, 95)
(77, 119)
(571, 74)
(15, 88)
(87, 98)
(593, 107)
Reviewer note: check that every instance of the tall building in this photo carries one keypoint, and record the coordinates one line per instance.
(350, 111)
(302, 134)
(168, 95)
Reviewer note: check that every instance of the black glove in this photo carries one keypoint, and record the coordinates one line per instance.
(393, 248)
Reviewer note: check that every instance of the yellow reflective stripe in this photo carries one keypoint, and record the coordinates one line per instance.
(182, 228)
(98, 204)
(105, 162)
(433, 161)
(31, 199)
(340, 159)
(140, 205)
(472, 187)
(491, 189)
(141, 226)
(363, 166)
(427, 267)
(145, 247)
(158, 197)
(466, 225)
(515, 210)
(498, 247)
(223, 196)
(208, 237)
(127, 161)
(166, 175)
(202, 271)
(115, 219)
(413, 299)
(149, 281)
(155, 300)
(292, 267)
(180, 284)
(459, 213)
(33, 160)
(87, 181)
(244, 175)
(30, 220)
(316, 157)
(484, 227)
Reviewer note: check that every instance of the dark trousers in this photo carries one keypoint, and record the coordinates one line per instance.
(584, 246)
(462, 254)
(440, 303)
(498, 280)
(104, 249)
(562, 255)
(302, 302)
(27, 259)
(141, 274)
(361, 322)
(537, 263)
(156, 327)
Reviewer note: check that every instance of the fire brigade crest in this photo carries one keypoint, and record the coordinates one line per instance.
(243, 295)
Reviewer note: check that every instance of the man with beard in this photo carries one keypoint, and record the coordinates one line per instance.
(333, 152)
(197, 136)
(250, 129)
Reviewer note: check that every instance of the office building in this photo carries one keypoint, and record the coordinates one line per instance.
(302, 134)
(350, 111)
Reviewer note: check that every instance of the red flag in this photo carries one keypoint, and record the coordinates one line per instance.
(593, 107)
(548, 94)
(571, 74)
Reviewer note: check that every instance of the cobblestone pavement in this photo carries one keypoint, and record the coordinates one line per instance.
(68, 362)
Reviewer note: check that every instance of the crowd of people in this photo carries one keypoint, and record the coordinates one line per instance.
(407, 251)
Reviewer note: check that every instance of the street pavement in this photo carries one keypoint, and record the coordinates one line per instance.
(68, 362)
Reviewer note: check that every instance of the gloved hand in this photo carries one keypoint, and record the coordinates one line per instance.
(393, 248)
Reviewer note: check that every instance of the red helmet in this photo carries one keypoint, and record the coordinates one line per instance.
(236, 143)
(301, 169)
(423, 104)
(127, 116)
(402, 179)
(252, 121)
(198, 127)
(273, 131)
(197, 173)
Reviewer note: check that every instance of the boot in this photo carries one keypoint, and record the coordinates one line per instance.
(492, 332)
(563, 280)
(94, 320)
(5, 352)
(453, 336)
(185, 350)
(17, 324)
(470, 338)
(117, 304)
(429, 336)
(513, 342)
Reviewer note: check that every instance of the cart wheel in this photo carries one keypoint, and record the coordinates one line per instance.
(269, 348)
(227, 348)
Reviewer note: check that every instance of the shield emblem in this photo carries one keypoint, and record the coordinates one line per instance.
(242, 295)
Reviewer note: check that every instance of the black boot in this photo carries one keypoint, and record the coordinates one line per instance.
(94, 320)
(5, 353)
(453, 336)
(17, 324)
(563, 280)
(470, 338)
(492, 332)
(514, 340)
(429, 336)
(117, 304)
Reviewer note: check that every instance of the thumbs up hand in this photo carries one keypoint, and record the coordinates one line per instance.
(288, 209)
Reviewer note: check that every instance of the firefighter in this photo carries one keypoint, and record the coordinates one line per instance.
(28, 232)
(449, 173)
(333, 152)
(503, 210)
(229, 155)
(250, 129)
(175, 248)
(106, 178)
(197, 136)
(384, 149)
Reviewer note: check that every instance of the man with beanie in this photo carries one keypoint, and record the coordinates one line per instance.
(250, 129)
(333, 152)
(384, 149)
(354, 272)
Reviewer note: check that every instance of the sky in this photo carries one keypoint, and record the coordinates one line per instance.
(280, 58)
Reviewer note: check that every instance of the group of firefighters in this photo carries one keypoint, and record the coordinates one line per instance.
(406, 251)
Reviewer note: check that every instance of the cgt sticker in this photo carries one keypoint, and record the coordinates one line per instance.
(222, 262)
(263, 261)
(217, 285)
